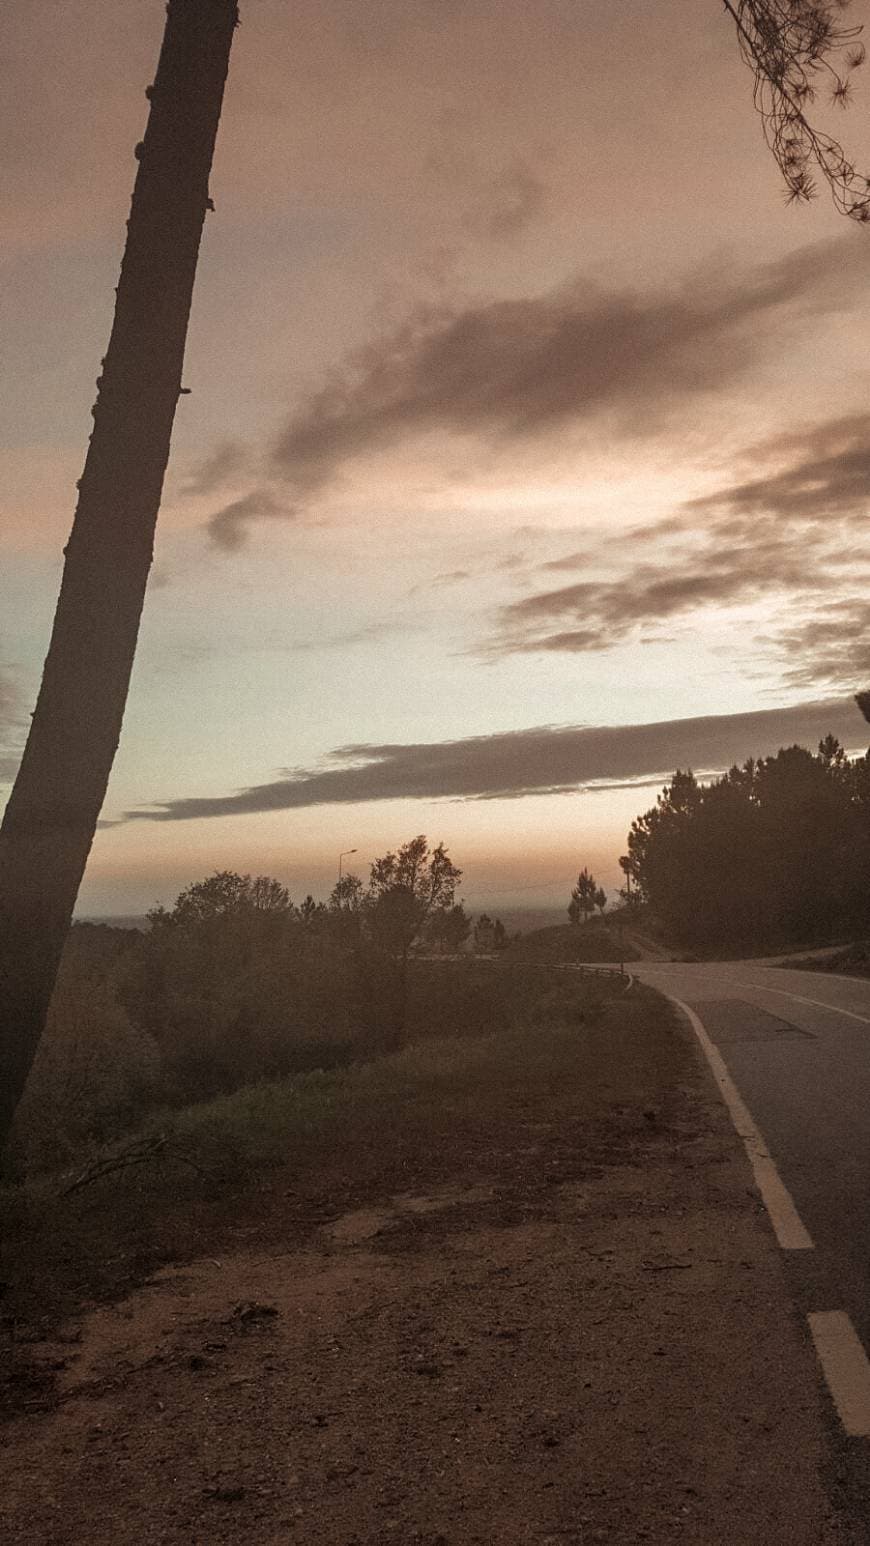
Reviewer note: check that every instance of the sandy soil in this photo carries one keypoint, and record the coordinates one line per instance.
(563, 1348)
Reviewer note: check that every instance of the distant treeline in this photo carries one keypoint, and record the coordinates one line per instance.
(774, 854)
(235, 983)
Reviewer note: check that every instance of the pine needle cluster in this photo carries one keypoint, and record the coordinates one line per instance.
(799, 51)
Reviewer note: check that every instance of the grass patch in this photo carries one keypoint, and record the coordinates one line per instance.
(568, 943)
(271, 1160)
(852, 960)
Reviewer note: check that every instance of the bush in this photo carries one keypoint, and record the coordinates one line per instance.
(566, 943)
(236, 986)
(94, 1072)
(230, 1000)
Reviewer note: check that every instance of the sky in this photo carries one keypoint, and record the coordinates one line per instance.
(526, 454)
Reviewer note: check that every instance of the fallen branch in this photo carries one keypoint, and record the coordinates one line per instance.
(135, 1154)
(158, 1146)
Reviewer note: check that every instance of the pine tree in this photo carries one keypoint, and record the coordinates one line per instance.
(52, 814)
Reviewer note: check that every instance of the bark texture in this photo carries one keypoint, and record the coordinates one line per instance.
(52, 814)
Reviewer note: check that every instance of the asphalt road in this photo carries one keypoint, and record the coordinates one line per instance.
(797, 1046)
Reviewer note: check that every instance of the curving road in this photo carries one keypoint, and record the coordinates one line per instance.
(797, 1046)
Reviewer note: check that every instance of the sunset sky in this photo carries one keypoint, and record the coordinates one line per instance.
(527, 449)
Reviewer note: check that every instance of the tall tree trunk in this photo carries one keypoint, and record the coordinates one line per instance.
(53, 810)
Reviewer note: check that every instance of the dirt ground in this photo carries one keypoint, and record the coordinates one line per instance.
(569, 1326)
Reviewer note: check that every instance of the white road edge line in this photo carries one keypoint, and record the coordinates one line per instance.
(799, 999)
(845, 1367)
(787, 1224)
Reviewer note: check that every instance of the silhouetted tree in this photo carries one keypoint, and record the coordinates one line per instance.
(54, 806)
(311, 912)
(223, 895)
(484, 934)
(347, 895)
(499, 935)
(449, 928)
(776, 852)
(234, 984)
(795, 49)
(381, 923)
(601, 900)
(625, 892)
(405, 890)
(583, 896)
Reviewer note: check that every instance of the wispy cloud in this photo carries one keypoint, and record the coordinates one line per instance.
(825, 646)
(823, 473)
(228, 460)
(544, 760)
(367, 633)
(508, 373)
(597, 615)
(795, 532)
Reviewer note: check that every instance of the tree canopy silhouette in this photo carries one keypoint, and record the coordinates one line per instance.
(775, 853)
(585, 897)
(410, 893)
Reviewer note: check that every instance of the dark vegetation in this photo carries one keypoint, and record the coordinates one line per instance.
(247, 1069)
(585, 897)
(235, 985)
(566, 944)
(851, 961)
(483, 1039)
(773, 856)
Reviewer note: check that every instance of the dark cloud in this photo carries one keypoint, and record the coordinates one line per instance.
(544, 760)
(827, 476)
(568, 561)
(828, 645)
(228, 525)
(604, 613)
(523, 369)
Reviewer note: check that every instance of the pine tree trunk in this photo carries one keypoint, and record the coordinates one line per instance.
(53, 810)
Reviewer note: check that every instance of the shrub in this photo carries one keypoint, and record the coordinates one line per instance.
(93, 1075)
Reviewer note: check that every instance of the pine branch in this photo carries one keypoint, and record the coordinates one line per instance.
(795, 48)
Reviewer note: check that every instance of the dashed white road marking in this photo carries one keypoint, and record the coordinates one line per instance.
(839, 1349)
(845, 1367)
(787, 1224)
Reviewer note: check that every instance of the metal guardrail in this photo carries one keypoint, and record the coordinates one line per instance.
(595, 971)
(582, 967)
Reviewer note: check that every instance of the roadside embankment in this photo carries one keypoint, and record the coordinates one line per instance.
(509, 1286)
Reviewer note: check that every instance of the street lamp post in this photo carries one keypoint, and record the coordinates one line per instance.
(344, 855)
